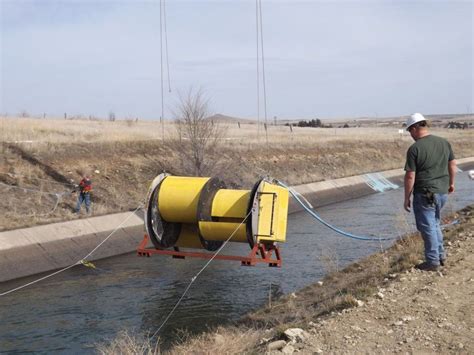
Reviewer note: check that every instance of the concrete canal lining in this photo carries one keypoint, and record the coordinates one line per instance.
(29, 251)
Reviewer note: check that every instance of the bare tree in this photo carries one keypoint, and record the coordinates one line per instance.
(198, 135)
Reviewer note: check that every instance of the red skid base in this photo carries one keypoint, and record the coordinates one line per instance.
(259, 254)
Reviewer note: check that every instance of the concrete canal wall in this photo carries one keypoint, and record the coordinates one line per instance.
(29, 251)
(332, 191)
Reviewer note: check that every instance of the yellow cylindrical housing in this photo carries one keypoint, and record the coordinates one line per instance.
(178, 198)
(199, 212)
(189, 237)
(230, 203)
(229, 208)
(221, 231)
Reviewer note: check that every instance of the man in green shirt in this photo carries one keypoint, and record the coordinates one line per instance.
(430, 170)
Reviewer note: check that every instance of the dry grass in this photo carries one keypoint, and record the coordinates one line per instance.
(50, 130)
(128, 344)
(57, 131)
(221, 340)
(128, 155)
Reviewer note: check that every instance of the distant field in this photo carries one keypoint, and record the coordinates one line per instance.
(29, 130)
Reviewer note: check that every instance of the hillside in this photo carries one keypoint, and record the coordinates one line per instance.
(42, 160)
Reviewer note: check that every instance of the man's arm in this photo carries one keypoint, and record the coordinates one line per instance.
(409, 183)
(452, 173)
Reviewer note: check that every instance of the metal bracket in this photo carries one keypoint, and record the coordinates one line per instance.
(260, 253)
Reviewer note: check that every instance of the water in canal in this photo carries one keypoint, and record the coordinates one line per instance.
(73, 311)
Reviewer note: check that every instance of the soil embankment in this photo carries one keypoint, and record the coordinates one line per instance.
(408, 311)
(37, 178)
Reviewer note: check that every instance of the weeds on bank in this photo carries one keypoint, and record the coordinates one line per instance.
(220, 340)
(340, 290)
(127, 343)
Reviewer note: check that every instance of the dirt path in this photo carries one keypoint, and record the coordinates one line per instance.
(415, 312)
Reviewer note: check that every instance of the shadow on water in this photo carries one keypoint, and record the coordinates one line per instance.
(78, 308)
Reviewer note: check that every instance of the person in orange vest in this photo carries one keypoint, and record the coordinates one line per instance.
(85, 189)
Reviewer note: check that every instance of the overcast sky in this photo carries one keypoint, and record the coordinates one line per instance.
(322, 58)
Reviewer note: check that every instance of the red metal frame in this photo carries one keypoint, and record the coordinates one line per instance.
(259, 254)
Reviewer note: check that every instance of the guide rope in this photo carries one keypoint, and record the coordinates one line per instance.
(35, 190)
(82, 261)
(197, 275)
(57, 195)
(36, 178)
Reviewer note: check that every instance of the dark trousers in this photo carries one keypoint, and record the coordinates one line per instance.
(86, 198)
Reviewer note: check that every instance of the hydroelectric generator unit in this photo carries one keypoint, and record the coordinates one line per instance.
(183, 214)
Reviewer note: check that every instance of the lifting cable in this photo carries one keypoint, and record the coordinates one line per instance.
(258, 70)
(162, 118)
(263, 71)
(166, 47)
(163, 33)
(259, 42)
(330, 226)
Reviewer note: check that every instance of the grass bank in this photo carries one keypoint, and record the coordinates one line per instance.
(42, 159)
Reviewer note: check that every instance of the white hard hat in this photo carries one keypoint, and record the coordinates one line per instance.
(415, 118)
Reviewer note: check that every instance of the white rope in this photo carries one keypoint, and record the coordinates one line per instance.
(76, 263)
(58, 200)
(36, 178)
(197, 275)
(34, 190)
(58, 196)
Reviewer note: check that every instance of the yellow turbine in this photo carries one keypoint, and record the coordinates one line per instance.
(199, 212)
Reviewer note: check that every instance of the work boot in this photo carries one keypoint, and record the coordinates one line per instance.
(442, 262)
(427, 267)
